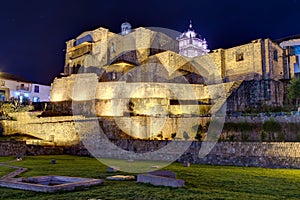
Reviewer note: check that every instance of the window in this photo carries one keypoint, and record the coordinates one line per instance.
(112, 48)
(239, 56)
(114, 75)
(36, 89)
(36, 99)
(275, 55)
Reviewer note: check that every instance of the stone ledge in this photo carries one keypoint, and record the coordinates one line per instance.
(159, 180)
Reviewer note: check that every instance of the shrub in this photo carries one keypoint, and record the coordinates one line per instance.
(199, 137)
(160, 136)
(298, 137)
(271, 126)
(173, 135)
(263, 135)
(244, 126)
(230, 126)
(231, 138)
(245, 137)
(281, 137)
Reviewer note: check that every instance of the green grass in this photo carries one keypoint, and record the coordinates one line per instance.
(202, 182)
(6, 158)
(5, 170)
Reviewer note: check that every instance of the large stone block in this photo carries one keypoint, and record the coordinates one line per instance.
(160, 180)
(163, 173)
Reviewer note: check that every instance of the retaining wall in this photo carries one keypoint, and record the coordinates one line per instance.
(258, 154)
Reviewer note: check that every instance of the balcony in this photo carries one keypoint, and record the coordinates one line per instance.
(81, 50)
(22, 88)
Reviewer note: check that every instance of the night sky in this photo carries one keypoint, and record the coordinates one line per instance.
(33, 33)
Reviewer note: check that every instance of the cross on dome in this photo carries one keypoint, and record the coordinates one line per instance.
(191, 26)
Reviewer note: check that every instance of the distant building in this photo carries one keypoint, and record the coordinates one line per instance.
(291, 45)
(191, 43)
(16, 87)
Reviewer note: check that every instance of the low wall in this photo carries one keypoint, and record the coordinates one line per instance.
(256, 154)
(15, 148)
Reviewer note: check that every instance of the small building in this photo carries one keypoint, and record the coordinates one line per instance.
(291, 45)
(15, 87)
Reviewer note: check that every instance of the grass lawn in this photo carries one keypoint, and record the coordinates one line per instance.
(6, 158)
(202, 182)
(5, 170)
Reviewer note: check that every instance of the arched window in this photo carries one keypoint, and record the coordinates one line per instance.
(112, 48)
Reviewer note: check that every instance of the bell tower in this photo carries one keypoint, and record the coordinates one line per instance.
(191, 43)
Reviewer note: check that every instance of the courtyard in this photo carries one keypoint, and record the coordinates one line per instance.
(201, 181)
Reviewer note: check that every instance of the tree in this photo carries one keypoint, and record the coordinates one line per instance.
(173, 135)
(294, 90)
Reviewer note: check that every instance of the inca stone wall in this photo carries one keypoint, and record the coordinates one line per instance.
(255, 94)
(19, 148)
(271, 155)
(67, 130)
(60, 130)
(256, 154)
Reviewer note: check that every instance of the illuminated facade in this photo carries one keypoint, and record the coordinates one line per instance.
(291, 45)
(12, 86)
(191, 43)
(254, 73)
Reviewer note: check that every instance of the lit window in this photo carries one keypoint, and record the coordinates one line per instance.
(114, 76)
(112, 48)
(36, 99)
(21, 99)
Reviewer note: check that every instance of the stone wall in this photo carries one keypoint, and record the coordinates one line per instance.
(289, 129)
(255, 94)
(60, 130)
(67, 130)
(271, 155)
(15, 148)
(256, 154)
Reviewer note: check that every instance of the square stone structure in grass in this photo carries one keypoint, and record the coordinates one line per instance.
(163, 173)
(160, 180)
(49, 183)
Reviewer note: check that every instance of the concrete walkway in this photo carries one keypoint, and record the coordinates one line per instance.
(18, 170)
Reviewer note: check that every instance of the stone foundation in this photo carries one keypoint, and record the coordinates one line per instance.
(256, 154)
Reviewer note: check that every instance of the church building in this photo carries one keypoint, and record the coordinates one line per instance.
(254, 74)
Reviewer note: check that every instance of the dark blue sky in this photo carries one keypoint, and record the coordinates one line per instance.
(33, 33)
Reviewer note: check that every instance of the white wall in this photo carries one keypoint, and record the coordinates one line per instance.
(27, 91)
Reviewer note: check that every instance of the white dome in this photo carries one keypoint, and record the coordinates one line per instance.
(125, 28)
(126, 24)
